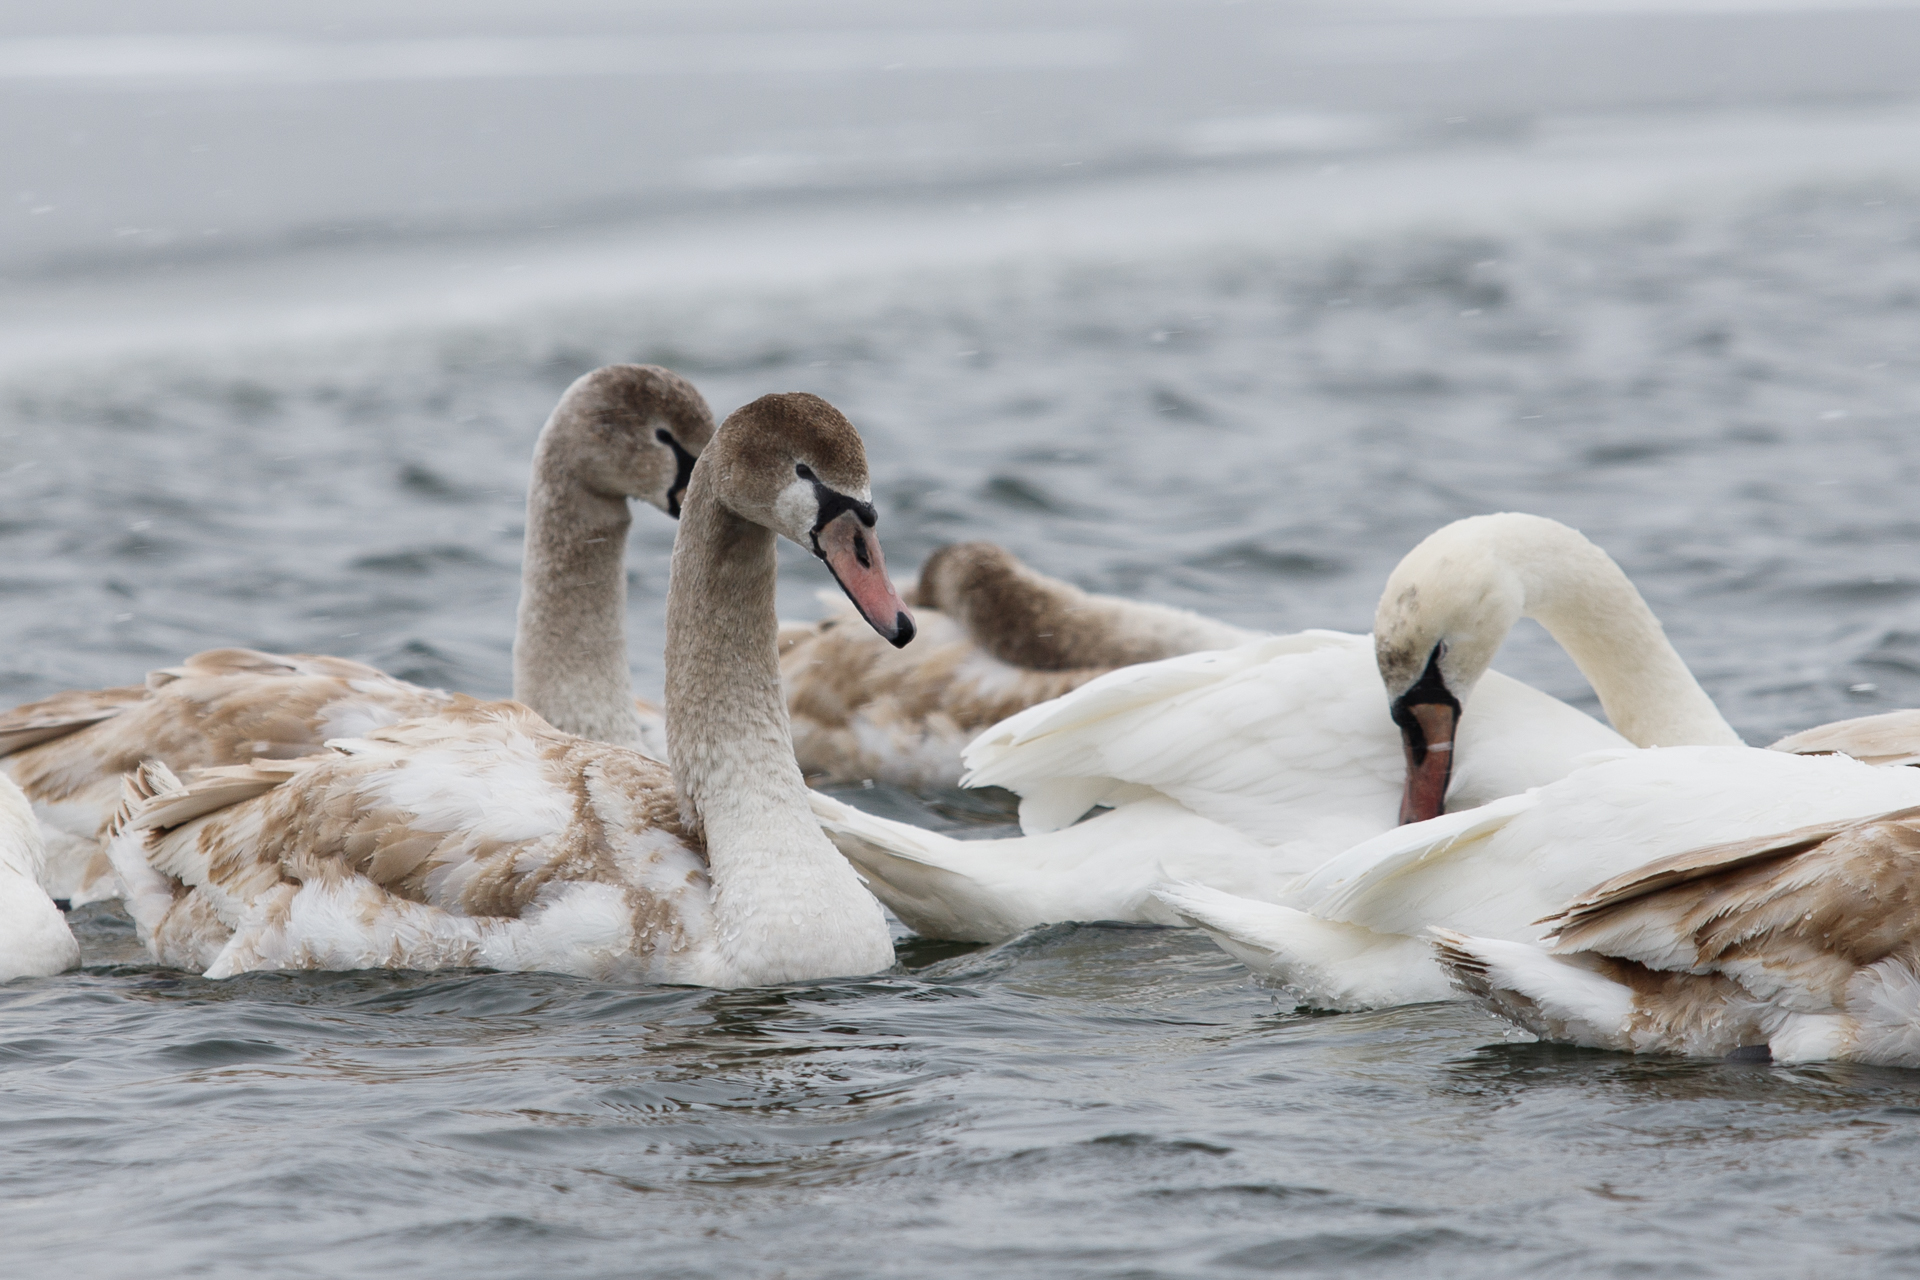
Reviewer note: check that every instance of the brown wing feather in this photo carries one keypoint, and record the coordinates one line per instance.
(1892, 738)
(209, 790)
(336, 819)
(1804, 911)
(1694, 864)
(63, 713)
(221, 707)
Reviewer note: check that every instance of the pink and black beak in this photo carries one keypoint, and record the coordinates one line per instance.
(843, 537)
(1428, 715)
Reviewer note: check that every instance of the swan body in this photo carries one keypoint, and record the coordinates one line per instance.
(1241, 769)
(483, 836)
(619, 432)
(34, 938)
(69, 752)
(1797, 946)
(995, 638)
(1352, 934)
(1302, 744)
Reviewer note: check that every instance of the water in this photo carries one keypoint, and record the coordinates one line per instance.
(1682, 316)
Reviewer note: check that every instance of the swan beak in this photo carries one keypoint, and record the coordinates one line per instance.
(1427, 732)
(853, 554)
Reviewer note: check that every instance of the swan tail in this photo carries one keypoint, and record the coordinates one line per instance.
(916, 873)
(138, 789)
(1553, 997)
(153, 799)
(148, 895)
(1331, 965)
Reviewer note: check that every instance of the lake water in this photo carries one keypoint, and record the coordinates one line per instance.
(1221, 306)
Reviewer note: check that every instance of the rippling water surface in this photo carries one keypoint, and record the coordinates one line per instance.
(1724, 392)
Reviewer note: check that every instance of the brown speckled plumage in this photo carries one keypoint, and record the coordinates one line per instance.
(220, 707)
(995, 638)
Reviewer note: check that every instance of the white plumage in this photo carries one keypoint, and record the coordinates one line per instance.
(34, 939)
(1352, 933)
(1240, 768)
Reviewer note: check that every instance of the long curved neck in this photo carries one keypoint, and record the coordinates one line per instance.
(1594, 611)
(786, 903)
(570, 646)
(1027, 619)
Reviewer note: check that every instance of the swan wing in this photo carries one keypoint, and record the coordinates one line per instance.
(218, 708)
(990, 890)
(1050, 740)
(1892, 738)
(479, 836)
(62, 714)
(1330, 965)
(1497, 871)
(1791, 917)
(1348, 887)
(1285, 739)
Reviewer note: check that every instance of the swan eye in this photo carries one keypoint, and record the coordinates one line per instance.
(802, 470)
(663, 435)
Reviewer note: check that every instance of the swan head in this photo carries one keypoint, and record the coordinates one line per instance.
(632, 431)
(793, 463)
(1445, 612)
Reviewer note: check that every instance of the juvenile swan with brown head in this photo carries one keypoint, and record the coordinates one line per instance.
(482, 837)
(624, 431)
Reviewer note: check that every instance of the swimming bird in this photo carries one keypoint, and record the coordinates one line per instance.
(996, 637)
(1353, 933)
(34, 939)
(1244, 768)
(1797, 946)
(620, 432)
(481, 836)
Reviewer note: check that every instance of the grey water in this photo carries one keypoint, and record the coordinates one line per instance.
(1224, 306)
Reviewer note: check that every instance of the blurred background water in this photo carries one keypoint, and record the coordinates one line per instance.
(1224, 305)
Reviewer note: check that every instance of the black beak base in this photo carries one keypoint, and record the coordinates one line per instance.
(682, 471)
(1428, 715)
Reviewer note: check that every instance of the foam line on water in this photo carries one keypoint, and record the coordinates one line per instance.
(1570, 171)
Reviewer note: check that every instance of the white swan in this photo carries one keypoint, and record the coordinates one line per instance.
(34, 939)
(481, 836)
(995, 638)
(1352, 934)
(1244, 768)
(619, 432)
(1795, 947)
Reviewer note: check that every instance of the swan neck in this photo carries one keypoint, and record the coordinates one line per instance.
(570, 644)
(1598, 616)
(786, 903)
